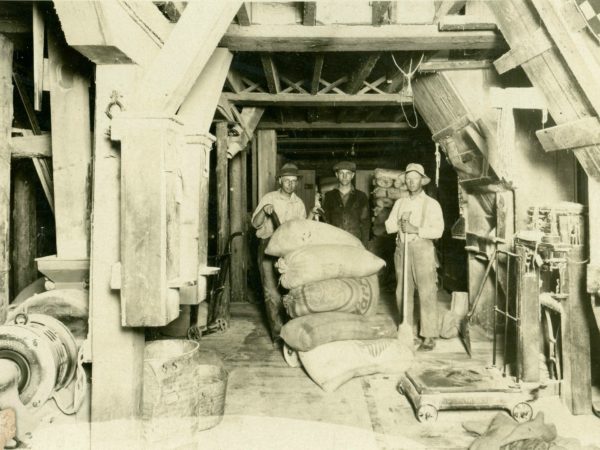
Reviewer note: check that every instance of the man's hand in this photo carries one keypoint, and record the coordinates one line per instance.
(406, 226)
(317, 211)
(268, 209)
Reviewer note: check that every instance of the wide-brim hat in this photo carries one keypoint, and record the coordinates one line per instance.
(288, 170)
(345, 165)
(414, 167)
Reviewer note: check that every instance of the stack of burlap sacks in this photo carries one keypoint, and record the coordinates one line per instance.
(390, 185)
(332, 301)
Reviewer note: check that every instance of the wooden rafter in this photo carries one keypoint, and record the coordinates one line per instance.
(309, 13)
(364, 69)
(316, 125)
(260, 99)
(445, 7)
(235, 82)
(299, 38)
(332, 86)
(271, 73)
(317, 69)
(379, 10)
(293, 86)
(244, 15)
(173, 72)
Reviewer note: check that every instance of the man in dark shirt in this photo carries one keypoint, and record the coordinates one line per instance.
(345, 207)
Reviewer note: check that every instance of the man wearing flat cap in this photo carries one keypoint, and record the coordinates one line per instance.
(418, 219)
(346, 207)
(287, 206)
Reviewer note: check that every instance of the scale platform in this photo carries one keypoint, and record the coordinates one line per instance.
(433, 389)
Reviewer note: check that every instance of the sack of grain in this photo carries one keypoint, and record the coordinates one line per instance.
(324, 262)
(400, 182)
(350, 295)
(331, 365)
(395, 193)
(385, 202)
(383, 182)
(298, 233)
(380, 192)
(307, 332)
(387, 173)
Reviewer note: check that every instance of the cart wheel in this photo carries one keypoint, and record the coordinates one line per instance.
(522, 412)
(427, 414)
(195, 332)
(290, 356)
(221, 325)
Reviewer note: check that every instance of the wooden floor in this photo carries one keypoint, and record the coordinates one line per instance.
(270, 405)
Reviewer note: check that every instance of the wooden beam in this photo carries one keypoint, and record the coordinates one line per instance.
(267, 161)
(249, 119)
(244, 14)
(365, 67)
(6, 119)
(235, 82)
(445, 7)
(379, 10)
(172, 73)
(466, 23)
(260, 99)
(271, 73)
(317, 69)
(38, 56)
(584, 70)
(283, 141)
(117, 352)
(14, 25)
(459, 64)
(114, 32)
(356, 38)
(237, 217)
(305, 125)
(537, 43)
(24, 216)
(32, 146)
(572, 135)
(220, 309)
(309, 13)
(71, 151)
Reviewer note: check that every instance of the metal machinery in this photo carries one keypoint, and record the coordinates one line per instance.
(39, 359)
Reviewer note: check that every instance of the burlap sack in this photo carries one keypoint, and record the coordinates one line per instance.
(380, 192)
(325, 262)
(395, 193)
(388, 173)
(331, 365)
(385, 202)
(350, 295)
(298, 233)
(307, 332)
(384, 182)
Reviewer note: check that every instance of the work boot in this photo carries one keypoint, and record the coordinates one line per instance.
(427, 345)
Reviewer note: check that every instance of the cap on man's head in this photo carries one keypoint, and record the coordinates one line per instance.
(414, 167)
(288, 170)
(345, 165)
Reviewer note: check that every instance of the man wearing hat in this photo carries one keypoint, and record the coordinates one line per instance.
(287, 206)
(418, 219)
(346, 207)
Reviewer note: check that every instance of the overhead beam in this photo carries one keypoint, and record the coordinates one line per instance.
(317, 69)
(355, 38)
(32, 146)
(112, 32)
(171, 75)
(360, 75)
(459, 64)
(282, 141)
(445, 7)
(271, 73)
(309, 13)
(364, 100)
(244, 15)
(304, 125)
(379, 9)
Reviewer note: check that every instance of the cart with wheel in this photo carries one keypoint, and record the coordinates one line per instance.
(433, 389)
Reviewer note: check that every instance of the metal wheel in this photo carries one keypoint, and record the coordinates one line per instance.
(522, 412)
(195, 332)
(291, 356)
(220, 325)
(427, 414)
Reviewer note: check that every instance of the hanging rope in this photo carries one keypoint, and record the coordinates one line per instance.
(408, 87)
(438, 161)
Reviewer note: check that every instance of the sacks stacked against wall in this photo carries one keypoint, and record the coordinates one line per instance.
(332, 300)
(390, 185)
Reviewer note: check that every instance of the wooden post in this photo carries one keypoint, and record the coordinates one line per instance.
(221, 309)
(71, 151)
(6, 118)
(529, 317)
(24, 216)
(237, 219)
(117, 352)
(267, 161)
(577, 376)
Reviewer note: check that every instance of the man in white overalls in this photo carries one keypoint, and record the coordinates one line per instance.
(418, 219)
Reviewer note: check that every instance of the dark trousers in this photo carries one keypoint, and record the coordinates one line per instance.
(422, 274)
(272, 296)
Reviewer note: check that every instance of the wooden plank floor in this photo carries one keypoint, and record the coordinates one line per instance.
(270, 404)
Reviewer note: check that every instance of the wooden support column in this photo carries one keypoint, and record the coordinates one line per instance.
(24, 221)
(117, 352)
(267, 161)
(6, 118)
(529, 316)
(221, 310)
(71, 151)
(237, 218)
